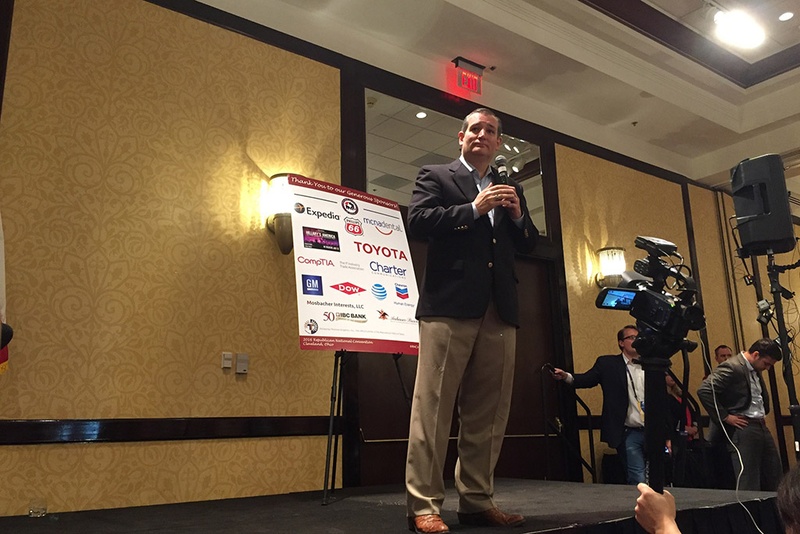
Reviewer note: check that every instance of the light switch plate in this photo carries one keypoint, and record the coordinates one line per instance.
(242, 363)
(227, 360)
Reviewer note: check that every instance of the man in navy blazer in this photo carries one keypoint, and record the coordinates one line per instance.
(622, 421)
(468, 315)
(736, 399)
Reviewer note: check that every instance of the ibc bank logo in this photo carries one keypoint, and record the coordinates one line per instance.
(312, 284)
(348, 288)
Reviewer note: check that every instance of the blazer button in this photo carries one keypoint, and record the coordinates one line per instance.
(491, 265)
(494, 241)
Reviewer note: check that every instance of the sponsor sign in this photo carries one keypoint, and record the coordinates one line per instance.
(355, 280)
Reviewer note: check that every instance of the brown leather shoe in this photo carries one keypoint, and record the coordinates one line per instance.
(427, 524)
(492, 517)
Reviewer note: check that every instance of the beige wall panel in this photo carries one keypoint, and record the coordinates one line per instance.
(133, 142)
(85, 476)
(715, 282)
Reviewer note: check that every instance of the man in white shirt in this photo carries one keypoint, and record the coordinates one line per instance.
(622, 421)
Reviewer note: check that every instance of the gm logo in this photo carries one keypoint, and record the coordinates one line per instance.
(312, 284)
(378, 291)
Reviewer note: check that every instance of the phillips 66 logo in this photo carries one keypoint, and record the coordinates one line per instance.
(353, 226)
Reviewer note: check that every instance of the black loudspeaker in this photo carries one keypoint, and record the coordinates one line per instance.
(762, 206)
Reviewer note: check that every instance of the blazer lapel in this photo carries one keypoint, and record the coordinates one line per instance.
(464, 180)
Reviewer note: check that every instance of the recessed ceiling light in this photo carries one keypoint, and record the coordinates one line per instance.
(738, 29)
(507, 147)
(421, 114)
(786, 16)
(515, 168)
(516, 150)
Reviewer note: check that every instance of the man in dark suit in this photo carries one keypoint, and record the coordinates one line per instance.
(468, 315)
(737, 401)
(622, 421)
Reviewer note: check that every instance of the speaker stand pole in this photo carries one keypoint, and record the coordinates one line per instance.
(777, 298)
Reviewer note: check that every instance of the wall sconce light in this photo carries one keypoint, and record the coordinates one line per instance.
(278, 200)
(612, 265)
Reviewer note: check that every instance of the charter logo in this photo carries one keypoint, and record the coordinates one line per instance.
(387, 269)
(379, 292)
(312, 284)
(348, 288)
(401, 290)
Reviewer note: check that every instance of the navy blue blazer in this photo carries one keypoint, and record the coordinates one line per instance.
(609, 372)
(469, 261)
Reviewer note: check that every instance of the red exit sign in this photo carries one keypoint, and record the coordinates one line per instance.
(469, 80)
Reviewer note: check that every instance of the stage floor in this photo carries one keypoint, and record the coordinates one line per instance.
(547, 506)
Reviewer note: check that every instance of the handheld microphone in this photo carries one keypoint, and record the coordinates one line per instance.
(502, 169)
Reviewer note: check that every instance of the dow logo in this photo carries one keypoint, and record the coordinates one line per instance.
(348, 288)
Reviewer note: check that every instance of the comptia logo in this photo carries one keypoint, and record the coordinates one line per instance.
(348, 288)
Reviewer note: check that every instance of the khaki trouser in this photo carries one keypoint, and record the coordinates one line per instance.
(471, 362)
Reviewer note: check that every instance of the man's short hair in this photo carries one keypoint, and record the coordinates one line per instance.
(485, 111)
(621, 333)
(766, 347)
(788, 500)
(722, 347)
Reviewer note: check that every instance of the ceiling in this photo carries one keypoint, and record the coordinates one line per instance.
(635, 77)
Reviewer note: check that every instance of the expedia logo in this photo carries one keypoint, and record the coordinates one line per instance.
(378, 250)
(348, 288)
(311, 212)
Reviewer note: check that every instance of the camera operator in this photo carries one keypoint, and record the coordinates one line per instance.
(622, 421)
(735, 396)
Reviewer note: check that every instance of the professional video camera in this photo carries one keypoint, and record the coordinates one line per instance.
(663, 319)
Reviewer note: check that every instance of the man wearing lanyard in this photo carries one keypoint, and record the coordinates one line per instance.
(736, 399)
(622, 421)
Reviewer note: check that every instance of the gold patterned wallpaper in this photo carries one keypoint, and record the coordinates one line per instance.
(132, 145)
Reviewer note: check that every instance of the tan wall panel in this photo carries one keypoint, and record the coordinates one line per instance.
(132, 147)
(85, 476)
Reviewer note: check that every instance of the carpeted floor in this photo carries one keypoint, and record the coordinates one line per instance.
(548, 507)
